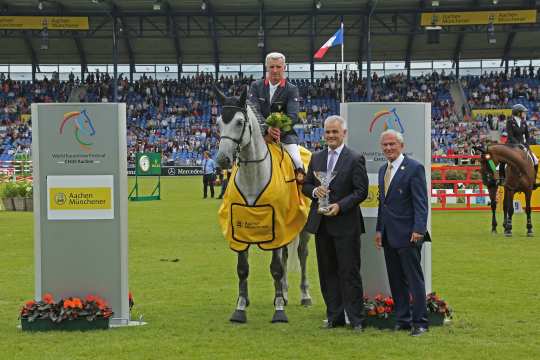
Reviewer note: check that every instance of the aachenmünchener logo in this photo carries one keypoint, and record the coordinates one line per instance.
(83, 128)
(391, 120)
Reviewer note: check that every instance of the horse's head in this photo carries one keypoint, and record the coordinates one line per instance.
(235, 127)
(487, 166)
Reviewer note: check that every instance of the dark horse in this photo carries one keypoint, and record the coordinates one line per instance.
(520, 177)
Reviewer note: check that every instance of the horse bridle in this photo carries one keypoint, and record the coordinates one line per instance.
(238, 141)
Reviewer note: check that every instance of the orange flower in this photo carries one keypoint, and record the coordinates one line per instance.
(30, 303)
(48, 298)
(102, 304)
(77, 303)
(380, 309)
(68, 303)
(90, 298)
(372, 312)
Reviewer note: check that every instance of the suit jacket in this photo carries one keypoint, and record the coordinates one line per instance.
(517, 134)
(348, 189)
(404, 209)
(285, 100)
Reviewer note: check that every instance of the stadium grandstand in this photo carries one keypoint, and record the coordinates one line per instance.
(163, 59)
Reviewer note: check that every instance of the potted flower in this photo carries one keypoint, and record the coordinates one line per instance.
(71, 313)
(380, 311)
(29, 195)
(9, 192)
(24, 189)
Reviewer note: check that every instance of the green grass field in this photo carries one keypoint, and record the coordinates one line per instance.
(492, 283)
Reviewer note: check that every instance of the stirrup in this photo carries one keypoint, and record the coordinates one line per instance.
(300, 176)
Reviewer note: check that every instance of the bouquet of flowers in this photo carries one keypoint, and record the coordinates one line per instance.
(437, 305)
(279, 120)
(91, 308)
(380, 307)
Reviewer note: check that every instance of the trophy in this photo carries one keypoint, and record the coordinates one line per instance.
(325, 178)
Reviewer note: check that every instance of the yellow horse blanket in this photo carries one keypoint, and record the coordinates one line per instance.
(278, 215)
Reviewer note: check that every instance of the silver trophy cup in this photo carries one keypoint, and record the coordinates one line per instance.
(325, 178)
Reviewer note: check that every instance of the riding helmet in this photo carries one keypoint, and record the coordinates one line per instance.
(518, 109)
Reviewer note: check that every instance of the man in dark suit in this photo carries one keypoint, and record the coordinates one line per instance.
(275, 94)
(337, 232)
(401, 230)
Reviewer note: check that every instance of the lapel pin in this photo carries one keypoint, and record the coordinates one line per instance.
(402, 167)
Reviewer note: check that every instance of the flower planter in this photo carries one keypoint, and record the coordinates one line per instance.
(29, 204)
(19, 204)
(435, 319)
(8, 204)
(67, 325)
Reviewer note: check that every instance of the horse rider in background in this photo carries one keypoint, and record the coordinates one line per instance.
(518, 134)
(274, 94)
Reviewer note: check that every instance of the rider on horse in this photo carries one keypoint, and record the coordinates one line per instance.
(518, 135)
(275, 94)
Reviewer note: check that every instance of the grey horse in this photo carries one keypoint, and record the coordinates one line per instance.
(242, 141)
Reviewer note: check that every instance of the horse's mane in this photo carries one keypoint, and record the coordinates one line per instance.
(258, 115)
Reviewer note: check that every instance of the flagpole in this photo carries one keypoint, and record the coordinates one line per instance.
(342, 64)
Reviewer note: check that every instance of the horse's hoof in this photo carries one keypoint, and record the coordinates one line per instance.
(530, 234)
(494, 232)
(508, 234)
(280, 317)
(306, 302)
(239, 316)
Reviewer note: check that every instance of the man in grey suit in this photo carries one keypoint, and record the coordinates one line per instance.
(337, 233)
(276, 94)
(401, 229)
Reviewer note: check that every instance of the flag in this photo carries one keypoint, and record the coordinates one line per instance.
(336, 39)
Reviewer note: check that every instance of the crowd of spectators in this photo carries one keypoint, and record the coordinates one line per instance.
(178, 118)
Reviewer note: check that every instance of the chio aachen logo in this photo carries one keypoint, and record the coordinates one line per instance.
(83, 128)
(390, 120)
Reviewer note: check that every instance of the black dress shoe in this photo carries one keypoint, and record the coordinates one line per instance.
(402, 327)
(332, 325)
(418, 331)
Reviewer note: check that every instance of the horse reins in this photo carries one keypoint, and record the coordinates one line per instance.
(238, 141)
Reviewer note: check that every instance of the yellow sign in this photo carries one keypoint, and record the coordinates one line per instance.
(40, 22)
(372, 200)
(91, 198)
(494, 112)
(478, 18)
(25, 118)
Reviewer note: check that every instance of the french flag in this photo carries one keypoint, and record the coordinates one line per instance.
(336, 39)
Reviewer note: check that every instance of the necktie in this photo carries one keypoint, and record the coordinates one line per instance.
(331, 160)
(387, 176)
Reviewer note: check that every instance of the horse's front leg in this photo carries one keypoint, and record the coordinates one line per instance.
(302, 257)
(528, 210)
(509, 211)
(242, 269)
(276, 269)
(493, 198)
(284, 278)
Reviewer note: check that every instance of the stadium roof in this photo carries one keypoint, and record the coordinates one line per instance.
(242, 31)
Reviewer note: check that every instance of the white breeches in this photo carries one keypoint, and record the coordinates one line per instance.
(294, 151)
